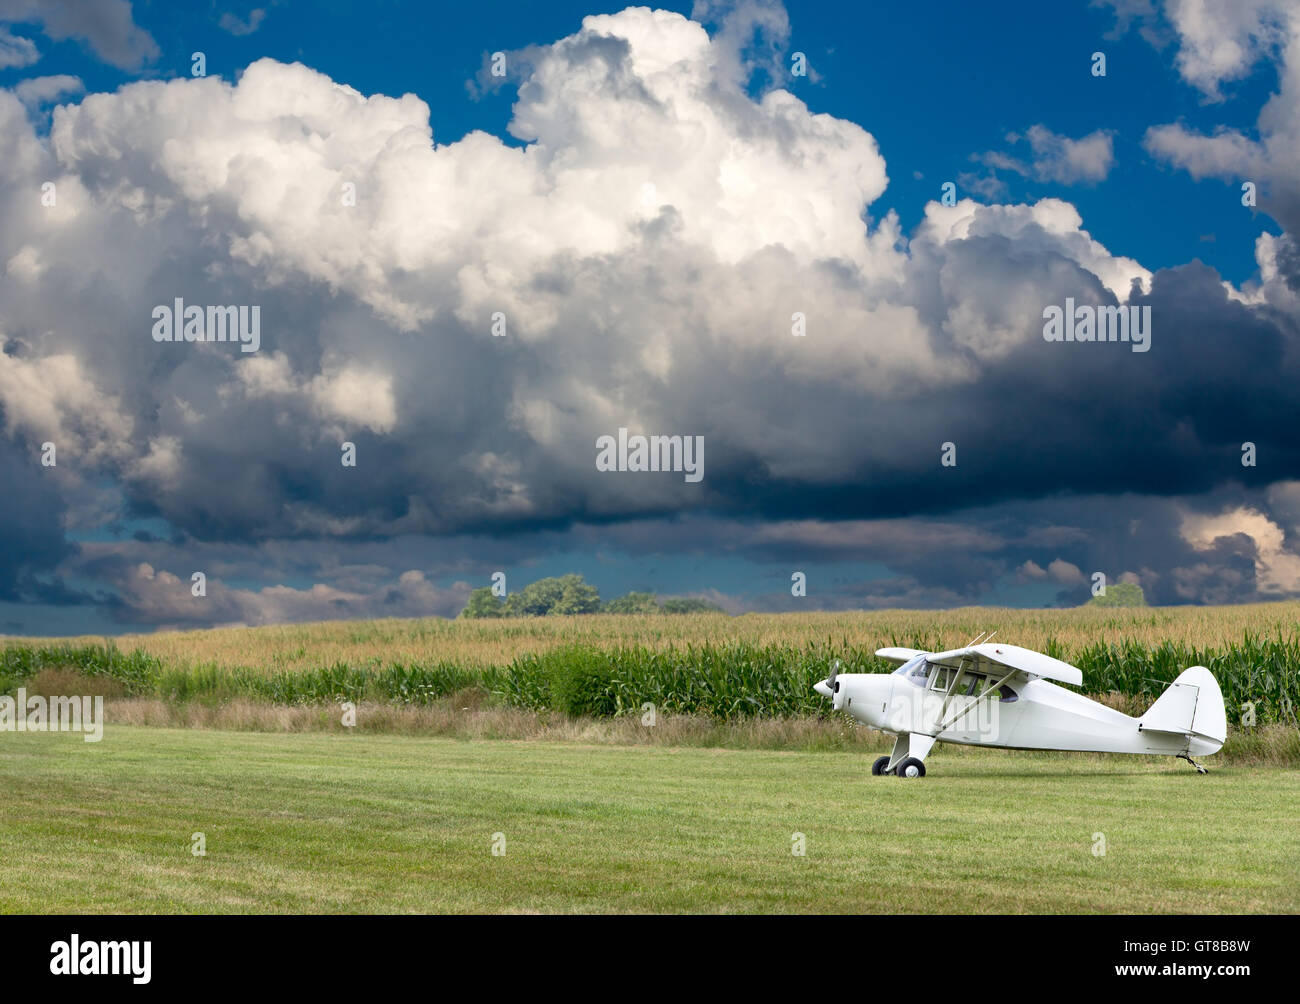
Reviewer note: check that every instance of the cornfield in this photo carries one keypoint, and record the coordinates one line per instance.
(710, 665)
(482, 643)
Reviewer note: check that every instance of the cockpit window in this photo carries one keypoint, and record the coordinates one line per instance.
(916, 671)
(979, 684)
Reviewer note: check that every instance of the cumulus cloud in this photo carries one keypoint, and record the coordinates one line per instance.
(648, 248)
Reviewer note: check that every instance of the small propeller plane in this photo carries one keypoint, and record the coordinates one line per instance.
(991, 694)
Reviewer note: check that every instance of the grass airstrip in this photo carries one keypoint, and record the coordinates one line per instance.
(365, 822)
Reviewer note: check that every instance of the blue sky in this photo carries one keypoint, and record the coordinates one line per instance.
(475, 450)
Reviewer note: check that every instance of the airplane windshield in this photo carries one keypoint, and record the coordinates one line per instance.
(915, 671)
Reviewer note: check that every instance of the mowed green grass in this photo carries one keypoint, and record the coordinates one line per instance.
(364, 823)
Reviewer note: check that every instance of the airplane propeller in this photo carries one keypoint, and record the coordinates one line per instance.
(828, 687)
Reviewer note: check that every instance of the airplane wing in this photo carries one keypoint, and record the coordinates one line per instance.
(986, 659)
(898, 656)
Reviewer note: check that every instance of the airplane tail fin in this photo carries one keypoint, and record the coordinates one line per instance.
(1192, 706)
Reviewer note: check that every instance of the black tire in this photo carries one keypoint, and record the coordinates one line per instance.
(879, 766)
(911, 767)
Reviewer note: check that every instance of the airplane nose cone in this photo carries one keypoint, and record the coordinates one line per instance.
(823, 688)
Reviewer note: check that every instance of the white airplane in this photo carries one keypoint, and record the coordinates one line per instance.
(992, 694)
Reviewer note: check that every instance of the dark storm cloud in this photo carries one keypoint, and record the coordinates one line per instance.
(32, 544)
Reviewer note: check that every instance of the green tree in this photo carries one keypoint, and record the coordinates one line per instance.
(688, 605)
(565, 594)
(483, 604)
(633, 603)
(577, 597)
(1121, 594)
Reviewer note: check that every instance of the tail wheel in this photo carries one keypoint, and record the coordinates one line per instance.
(879, 766)
(911, 767)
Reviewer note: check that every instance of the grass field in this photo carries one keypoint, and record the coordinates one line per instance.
(370, 823)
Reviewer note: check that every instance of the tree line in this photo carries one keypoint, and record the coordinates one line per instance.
(571, 594)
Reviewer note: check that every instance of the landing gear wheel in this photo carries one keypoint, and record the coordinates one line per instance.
(911, 767)
(879, 766)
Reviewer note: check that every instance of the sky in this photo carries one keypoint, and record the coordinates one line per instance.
(822, 242)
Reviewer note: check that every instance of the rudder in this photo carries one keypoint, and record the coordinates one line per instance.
(1192, 705)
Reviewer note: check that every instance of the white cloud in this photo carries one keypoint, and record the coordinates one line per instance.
(107, 26)
(1048, 225)
(161, 466)
(26, 264)
(732, 175)
(356, 396)
(1222, 42)
(51, 398)
(1277, 568)
(341, 392)
(37, 91)
(1070, 161)
(16, 51)
(1224, 154)
(1054, 157)
(1065, 573)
